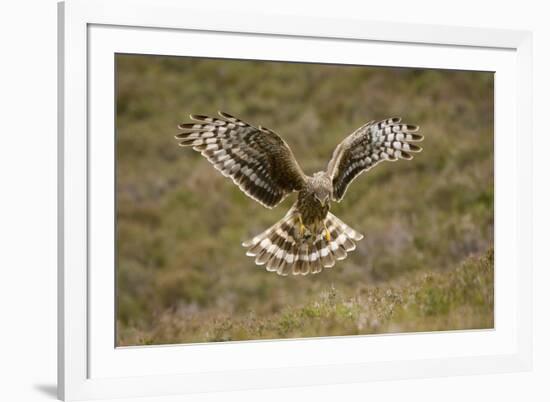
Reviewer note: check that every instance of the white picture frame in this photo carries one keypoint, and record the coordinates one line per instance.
(91, 32)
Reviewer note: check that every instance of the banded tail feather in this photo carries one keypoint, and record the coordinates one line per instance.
(282, 249)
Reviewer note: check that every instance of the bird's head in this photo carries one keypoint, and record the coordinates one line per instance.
(322, 188)
(323, 198)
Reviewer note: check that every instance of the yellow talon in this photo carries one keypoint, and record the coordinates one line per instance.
(327, 233)
(302, 227)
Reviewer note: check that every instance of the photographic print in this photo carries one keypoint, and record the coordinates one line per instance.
(276, 200)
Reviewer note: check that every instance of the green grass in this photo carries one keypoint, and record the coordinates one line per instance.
(461, 298)
(425, 262)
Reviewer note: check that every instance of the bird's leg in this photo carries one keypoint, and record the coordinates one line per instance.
(327, 233)
(302, 227)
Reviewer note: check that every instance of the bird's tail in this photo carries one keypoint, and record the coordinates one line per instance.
(283, 250)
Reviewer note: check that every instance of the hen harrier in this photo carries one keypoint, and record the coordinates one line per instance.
(308, 238)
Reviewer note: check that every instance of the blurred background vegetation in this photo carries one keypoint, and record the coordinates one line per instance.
(426, 261)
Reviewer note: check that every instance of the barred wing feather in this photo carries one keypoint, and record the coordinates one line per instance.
(367, 146)
(255, 158)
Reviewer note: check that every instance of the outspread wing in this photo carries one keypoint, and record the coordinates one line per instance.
(255, 158)
(366, 147)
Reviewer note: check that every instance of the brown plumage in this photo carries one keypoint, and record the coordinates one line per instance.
(308, 238)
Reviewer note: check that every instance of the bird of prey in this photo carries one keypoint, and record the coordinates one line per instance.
(308, 238)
